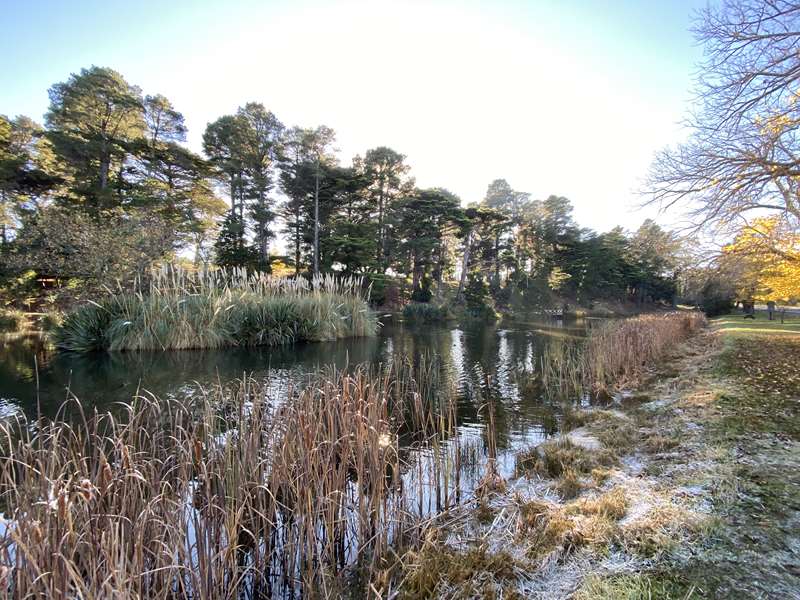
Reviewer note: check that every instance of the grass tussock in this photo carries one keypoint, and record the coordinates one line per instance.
(658, 443)
(553, 459)
(569, 484)
(601, 521)
(437, 569)
(614, 430)
(230, 495)
(213, 309)
(612, 505)
(558, 529)
(659, 530)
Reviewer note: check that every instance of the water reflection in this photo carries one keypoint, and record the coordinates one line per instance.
(478, 362)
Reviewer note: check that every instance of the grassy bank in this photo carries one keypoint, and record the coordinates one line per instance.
(688, 488)
(215, 309)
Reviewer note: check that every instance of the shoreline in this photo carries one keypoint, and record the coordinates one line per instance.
(659, 509)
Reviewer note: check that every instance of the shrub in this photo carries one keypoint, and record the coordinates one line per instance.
(423, 292)
(716, 298)
(424, 313)
(11, 320)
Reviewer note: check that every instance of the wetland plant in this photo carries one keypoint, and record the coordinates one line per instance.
(214, 309)
(615, 354)
(234, 494)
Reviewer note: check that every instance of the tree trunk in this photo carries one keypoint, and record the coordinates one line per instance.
(262, 229)
(316, 220)
(439, 268)
(380, 256)
(415, 270)
(465, 263)
(233, 193)
(497, 259)
(3, 214)
(105, 165)
(297, 245)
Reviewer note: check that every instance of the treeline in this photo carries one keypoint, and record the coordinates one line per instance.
(106, 188)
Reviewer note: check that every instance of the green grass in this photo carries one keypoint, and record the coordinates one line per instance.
(738, 325)
(636, 586)
(752, 428)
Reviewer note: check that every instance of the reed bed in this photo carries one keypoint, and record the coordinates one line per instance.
(178, 309)
(234, 495)
(618, 352)
(615, 354)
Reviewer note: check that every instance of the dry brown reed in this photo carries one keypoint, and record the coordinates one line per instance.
(232, 495)
(618, 352)
(615, 354)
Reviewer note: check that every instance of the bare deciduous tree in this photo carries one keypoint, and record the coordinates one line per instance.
(742, 158)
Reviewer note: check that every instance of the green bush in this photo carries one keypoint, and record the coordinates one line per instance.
(424, 312)
(423, 292)
(716, 299)
(11, 320)
(476, 298)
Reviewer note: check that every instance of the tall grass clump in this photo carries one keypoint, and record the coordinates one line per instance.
(615, 354)
(232, 495)
(618, 352)
(213, 309)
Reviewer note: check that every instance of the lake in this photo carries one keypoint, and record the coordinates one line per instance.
(35, 377)
(476, 363)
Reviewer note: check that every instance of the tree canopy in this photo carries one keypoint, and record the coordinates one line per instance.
(107, 188)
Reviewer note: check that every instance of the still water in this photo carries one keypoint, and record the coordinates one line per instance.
(34, 377)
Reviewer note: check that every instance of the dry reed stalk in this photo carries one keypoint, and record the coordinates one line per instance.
(230, 495)
(616, 354)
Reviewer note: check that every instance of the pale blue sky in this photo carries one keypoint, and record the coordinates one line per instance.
(561, 97)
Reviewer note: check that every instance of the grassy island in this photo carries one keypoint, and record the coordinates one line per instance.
(215, 309)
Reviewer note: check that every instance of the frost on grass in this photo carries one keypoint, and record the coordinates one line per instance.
(542, 540)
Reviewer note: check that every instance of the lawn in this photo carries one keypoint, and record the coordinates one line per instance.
(737, 324)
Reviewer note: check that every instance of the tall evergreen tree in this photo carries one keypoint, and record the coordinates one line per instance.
(93, 119)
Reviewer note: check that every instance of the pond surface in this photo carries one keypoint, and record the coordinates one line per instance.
(479, 362)
(35, 377)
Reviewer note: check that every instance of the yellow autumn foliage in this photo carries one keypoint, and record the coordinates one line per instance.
(767, 259)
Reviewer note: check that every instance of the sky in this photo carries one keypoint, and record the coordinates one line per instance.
(557, 97)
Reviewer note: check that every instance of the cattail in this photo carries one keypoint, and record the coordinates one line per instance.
(63, 503)
(106, 475)
(198, 451)
(87, 490)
